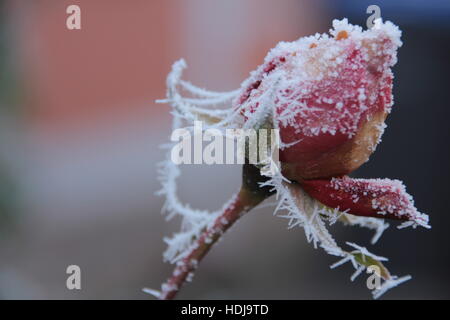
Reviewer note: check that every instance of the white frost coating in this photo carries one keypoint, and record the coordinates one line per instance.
(296, 69)
(350, 256)
(377, 224)
(389, 284)
(152, 292)
(365, 252)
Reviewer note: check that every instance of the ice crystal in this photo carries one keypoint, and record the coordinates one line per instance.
(302, 69)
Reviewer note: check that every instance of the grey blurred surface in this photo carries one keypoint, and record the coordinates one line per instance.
(88, 198)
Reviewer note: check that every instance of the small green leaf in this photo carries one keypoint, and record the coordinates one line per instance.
(369, 261)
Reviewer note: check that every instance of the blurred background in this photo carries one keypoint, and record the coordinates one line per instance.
(80, 136)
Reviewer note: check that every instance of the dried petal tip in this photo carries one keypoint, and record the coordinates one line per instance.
(379, 198)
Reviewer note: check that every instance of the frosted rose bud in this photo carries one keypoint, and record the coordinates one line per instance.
(331, 97)
(378, 198)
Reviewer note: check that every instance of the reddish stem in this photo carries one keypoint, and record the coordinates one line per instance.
(241, 203)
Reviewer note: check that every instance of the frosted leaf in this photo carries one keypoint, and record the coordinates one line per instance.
(379, 225)
(361, 259)
(302, 211)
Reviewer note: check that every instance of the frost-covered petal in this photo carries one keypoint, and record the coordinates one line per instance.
(382, 198)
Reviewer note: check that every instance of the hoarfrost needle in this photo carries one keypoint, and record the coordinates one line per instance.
(329, 96)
